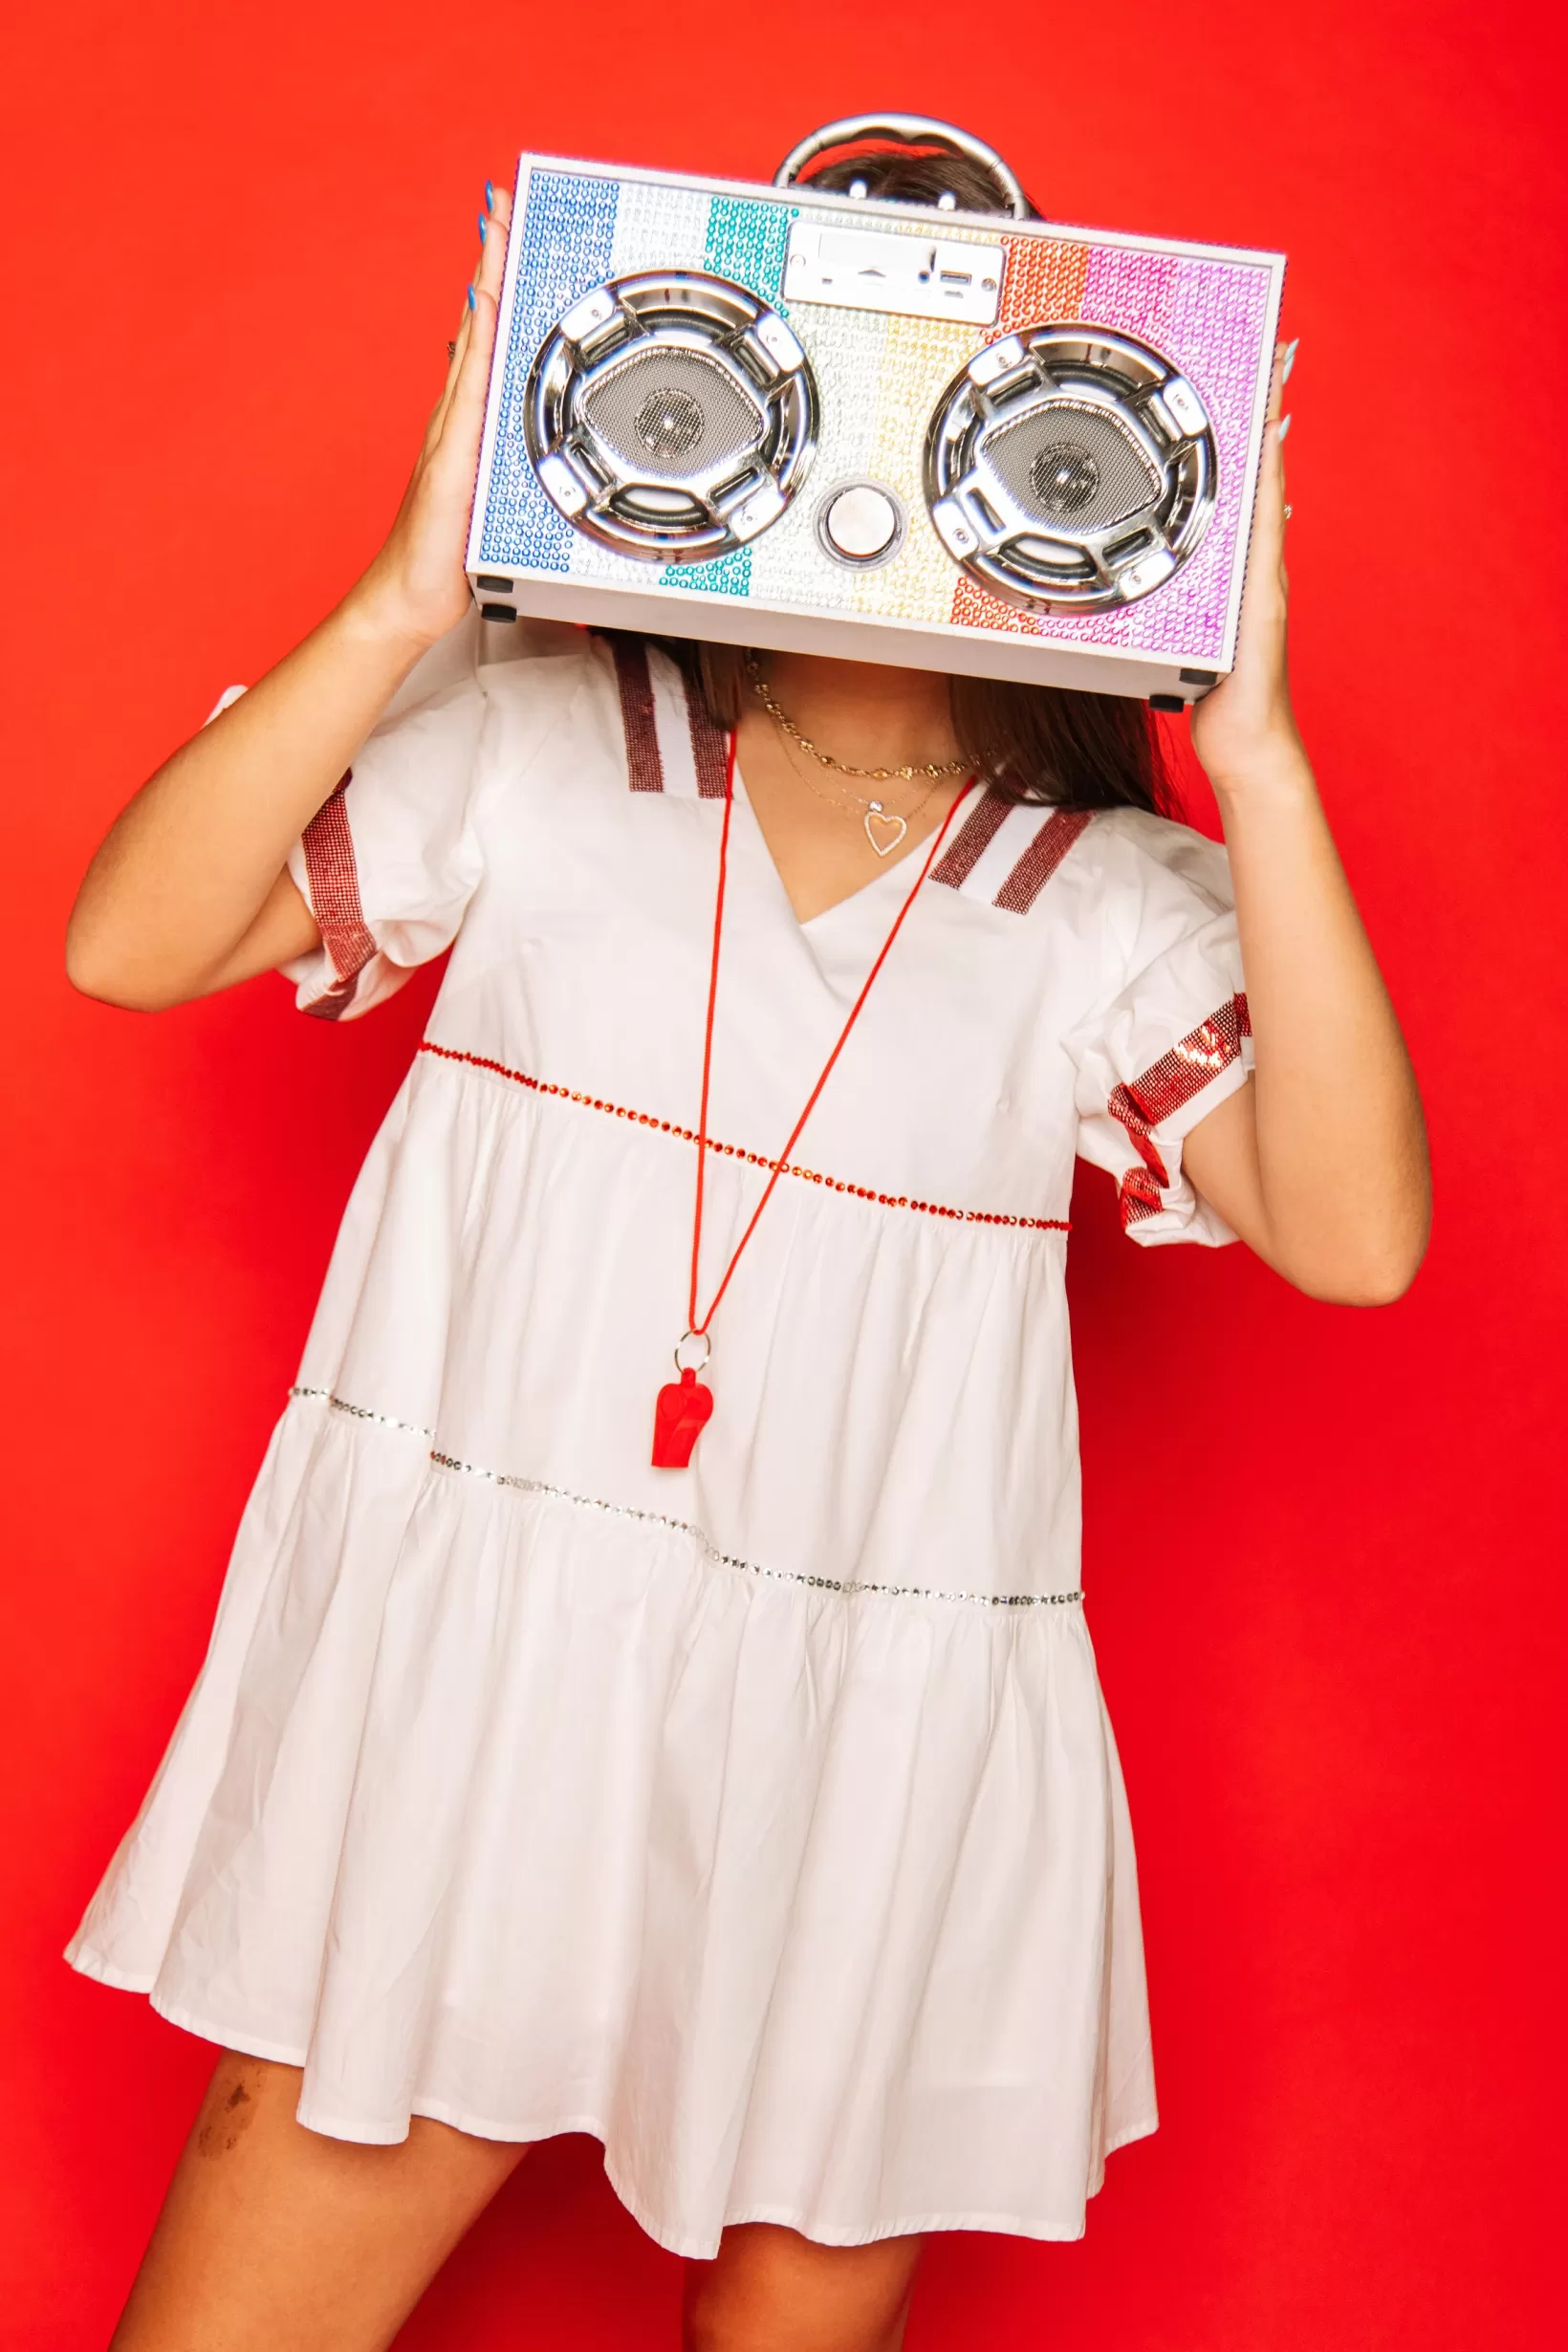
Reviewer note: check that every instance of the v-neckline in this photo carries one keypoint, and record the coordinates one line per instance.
(806, 924)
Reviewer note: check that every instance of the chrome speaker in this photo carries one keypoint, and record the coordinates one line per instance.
(1069, 469)
(672, 415)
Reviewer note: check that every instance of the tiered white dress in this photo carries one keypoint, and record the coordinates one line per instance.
(762, 1819)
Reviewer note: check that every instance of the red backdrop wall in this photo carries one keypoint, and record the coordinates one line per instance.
(1323, 1552)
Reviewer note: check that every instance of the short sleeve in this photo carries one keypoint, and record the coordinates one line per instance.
(389, 863)
(1169, 1039)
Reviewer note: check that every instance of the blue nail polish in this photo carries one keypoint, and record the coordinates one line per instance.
(1290, 350)
(484, 229)
(490, 197)
(472, 304)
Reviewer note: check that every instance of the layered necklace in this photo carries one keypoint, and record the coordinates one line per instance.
(884, 828)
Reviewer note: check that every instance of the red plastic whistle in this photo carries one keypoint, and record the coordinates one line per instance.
(679, 1418)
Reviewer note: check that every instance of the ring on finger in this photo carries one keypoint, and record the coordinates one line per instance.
(452, 351)
(1287, 514)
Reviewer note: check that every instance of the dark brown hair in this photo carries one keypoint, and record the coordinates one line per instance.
(1037, 743)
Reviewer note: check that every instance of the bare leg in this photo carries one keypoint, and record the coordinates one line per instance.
(272, 2235)
(772, 2290)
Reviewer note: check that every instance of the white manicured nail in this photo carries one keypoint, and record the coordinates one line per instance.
(1282, 428)
(1290, 350)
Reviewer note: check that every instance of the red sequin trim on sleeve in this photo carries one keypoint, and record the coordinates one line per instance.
(1138, 1196)
(1145, 1102)
(332, 879)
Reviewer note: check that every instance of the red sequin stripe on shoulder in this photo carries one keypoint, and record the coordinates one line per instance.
(1193, 1064)
(644, 768)
(959, 860)
(1040, 859)
(332, 877)
(709, 743)
(736, 1151)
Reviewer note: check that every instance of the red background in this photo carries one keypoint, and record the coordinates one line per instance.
(1324, 1562)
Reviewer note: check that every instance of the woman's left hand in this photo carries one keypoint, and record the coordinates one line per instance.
(1320, 1164)
(1246, 722)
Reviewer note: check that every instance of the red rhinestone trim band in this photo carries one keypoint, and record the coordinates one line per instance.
(644, 768)
(1138, 1196)
(644, 761)
(734, 1151)
(1040, 861)
(962, 855)
(1193, 1064)
(332, 877)
(1057, 831)
(710, 748)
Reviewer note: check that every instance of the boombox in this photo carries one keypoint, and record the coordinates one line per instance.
(894, 432)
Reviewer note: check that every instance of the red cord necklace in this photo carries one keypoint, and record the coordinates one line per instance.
(684, 1405)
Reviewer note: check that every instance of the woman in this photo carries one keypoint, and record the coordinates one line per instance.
(716, 1765)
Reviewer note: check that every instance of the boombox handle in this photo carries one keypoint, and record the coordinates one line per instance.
(905, 131)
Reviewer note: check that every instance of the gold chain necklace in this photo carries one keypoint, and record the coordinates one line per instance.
(876, 814)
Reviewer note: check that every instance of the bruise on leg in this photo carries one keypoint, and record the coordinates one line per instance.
(229, 2107)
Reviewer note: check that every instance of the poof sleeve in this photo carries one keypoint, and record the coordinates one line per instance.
(388, 865)
(1173, 1039)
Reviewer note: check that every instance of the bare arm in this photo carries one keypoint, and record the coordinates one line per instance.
(1320, 1164)
(189, 890)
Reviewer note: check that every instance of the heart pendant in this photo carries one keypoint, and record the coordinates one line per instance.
(895, 828)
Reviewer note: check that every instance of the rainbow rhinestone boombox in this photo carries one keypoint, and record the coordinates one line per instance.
(889, 431)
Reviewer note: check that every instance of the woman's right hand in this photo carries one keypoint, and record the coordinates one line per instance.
(189, 890)
(417, 587)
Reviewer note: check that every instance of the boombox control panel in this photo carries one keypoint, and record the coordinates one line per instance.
(885, 431)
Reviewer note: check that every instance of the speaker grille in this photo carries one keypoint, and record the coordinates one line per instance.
(1066, 465)
(670, 412)
(1070, 468)
(672, 415)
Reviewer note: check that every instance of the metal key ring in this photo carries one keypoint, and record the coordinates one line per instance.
(700, 1366)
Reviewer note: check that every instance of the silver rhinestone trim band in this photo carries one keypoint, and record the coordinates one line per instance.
(685, 1527)
(359, 1412)
(749, 1567)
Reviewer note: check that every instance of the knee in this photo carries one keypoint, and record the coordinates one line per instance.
(771, 2289)
(771, 2329)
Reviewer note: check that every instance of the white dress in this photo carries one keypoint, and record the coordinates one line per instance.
(762, 1819)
